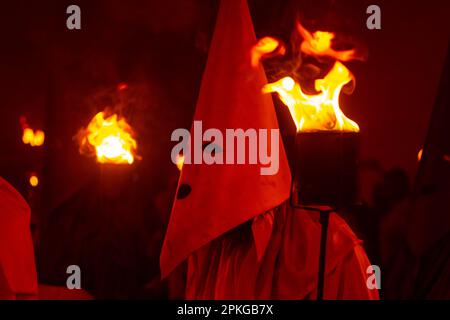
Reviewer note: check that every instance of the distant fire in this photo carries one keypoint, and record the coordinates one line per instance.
(34, 138)
(419, 155)
(313, 112)
(180, 161)
(122, 86)
(110, 138)
(33, 180)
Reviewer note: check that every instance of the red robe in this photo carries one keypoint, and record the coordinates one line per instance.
(18, 279)
(229, 268)
(47, 292)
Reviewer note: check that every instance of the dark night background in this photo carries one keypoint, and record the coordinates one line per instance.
(59, 79)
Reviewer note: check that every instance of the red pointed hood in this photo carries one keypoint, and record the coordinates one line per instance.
(17, 268)
(223, 196)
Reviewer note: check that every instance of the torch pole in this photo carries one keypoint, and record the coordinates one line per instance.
(324, 220)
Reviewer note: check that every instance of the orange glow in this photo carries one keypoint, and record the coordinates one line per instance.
(122, 86)
(34, 180)
(180, 162)
(319, 44)
(28, 136)
(445, 157)
(316, 112)
(33, 138)
(266, 46)
(110, 139)
(419, 155)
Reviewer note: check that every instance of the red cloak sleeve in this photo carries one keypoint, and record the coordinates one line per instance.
(18, 279)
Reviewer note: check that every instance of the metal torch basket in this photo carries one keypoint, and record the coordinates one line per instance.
(325, 178)
(325, 171)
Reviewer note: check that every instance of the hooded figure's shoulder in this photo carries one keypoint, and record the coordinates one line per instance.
(11, 201)
(340, 236)
(298, 252)
(301, 231)
(341, 232)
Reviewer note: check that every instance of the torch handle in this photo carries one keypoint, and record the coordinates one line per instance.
(324, 220)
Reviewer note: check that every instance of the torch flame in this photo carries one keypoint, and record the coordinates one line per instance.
(111, 138)
(317, 112)
(266, 46)
(321, 41)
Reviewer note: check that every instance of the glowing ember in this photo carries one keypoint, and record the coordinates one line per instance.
(110, 139)
(180, 162)
(34, 180)
(122, 86)
(317, 112)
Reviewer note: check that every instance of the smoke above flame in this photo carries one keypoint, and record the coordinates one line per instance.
(312, 112)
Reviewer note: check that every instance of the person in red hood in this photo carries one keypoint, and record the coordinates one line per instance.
(18, 279)
(234, 227)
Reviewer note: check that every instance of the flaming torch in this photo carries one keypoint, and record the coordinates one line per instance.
(111, 140)
(326, 144)
(327, 140)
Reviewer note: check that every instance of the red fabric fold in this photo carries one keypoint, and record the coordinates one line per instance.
(229, 268)
(18, 279)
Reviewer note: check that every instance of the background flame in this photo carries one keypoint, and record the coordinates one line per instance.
(34, 138)
(111, 139)
(33, 180)
(180, 161)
